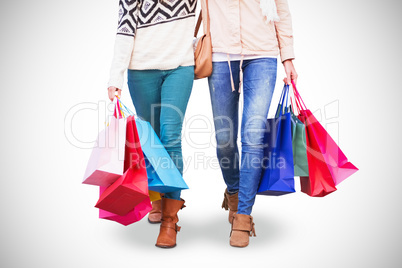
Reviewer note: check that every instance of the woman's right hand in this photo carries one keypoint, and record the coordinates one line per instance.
(112, 92)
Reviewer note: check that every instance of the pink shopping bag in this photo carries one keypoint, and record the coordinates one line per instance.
(328, 166)
(106, 163)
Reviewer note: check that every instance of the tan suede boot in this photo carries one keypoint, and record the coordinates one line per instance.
(169, 228)
(242, 229)
(230, 203)
(155, 215)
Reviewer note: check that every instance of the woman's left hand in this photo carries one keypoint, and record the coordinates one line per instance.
(290, 72)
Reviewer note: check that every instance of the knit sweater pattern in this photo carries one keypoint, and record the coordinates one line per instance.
(152, 35)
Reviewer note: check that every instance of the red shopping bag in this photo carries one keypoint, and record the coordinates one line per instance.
(134, 215)
(132, 188)
(327, 164)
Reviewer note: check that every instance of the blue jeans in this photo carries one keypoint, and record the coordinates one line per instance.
(160, 97)
(259, 77)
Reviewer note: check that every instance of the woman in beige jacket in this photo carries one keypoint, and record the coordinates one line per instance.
(247, 37)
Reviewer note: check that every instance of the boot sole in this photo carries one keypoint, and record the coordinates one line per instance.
(153, 222)
(160, 246)
(239, 246)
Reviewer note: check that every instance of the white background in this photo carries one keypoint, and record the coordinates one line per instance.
(56, 55)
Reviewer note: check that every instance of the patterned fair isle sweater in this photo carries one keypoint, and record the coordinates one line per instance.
(153, 34)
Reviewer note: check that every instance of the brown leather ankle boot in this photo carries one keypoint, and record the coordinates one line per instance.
(169, 228)
(242, 229)
(155, 215)
(230, 202)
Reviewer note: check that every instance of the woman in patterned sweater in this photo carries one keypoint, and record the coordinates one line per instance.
(154, 44)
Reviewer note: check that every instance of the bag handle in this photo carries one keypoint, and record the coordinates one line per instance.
(284, 95)
(298, 99)
(297, 102)
(121, 110)
(294, 104)
(117, 111)
(125, 109)
(197, 26)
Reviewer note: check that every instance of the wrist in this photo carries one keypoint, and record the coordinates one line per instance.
(287, 61)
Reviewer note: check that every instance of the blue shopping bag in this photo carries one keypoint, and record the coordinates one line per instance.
(277, 177)
(163, 175)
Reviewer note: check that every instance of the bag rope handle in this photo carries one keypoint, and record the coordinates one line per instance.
(197, 27)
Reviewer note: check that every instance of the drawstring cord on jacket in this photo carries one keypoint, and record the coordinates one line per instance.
(240, 74)
(231, 75)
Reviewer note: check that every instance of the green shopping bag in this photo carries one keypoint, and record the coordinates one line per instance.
(299, 146)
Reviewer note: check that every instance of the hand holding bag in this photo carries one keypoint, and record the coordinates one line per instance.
(203, 50)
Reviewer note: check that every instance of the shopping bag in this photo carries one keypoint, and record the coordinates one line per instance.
(132, 187)
(163, 175)
(125, 193)
(106, 162)
(299, 145)
(154, 196)
(139, 212)
(278, 171)
(327, 164)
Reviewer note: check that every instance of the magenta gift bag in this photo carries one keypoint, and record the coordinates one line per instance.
(135, 215)
(328, 166)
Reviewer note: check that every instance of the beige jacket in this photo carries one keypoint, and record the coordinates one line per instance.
(238, 27)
